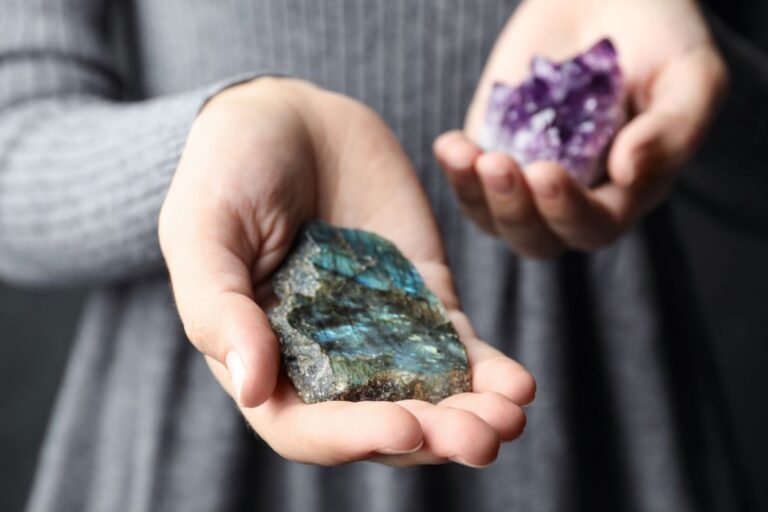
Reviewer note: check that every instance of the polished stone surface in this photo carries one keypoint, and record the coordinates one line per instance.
(565, 112)
(356, 322)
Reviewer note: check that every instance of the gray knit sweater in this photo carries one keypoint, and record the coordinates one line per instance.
(96, 98)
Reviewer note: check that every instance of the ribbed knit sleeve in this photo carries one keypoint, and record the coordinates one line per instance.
(82, 175)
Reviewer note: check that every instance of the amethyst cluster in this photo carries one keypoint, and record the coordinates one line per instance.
(565, 112)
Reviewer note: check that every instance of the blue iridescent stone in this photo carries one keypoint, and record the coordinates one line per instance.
(356, 322)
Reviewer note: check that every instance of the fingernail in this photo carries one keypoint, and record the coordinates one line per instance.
(548, 190)
(391, 451)
(461, 461)
(236, 371)
(500, 182)
(461, 164)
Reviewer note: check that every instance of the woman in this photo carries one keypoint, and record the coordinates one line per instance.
(225, 163)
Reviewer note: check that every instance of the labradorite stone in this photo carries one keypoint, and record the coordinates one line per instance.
(356, 322)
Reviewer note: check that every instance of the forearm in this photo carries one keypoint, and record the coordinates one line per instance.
(82, 174)
(81, 182)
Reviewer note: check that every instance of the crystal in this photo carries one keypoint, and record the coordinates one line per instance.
(565, 112)
(356, 322)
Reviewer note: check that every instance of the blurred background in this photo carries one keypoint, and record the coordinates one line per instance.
(728, 258)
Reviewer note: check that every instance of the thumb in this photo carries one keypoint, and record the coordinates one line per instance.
(214, 295)
(684, 96)
(232, 329)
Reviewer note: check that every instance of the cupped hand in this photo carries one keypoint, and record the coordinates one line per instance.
(674, 78)
(261, 159)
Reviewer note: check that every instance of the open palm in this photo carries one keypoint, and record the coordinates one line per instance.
(262, 159)
(674, 77)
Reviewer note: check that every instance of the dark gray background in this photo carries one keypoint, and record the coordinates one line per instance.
(37, 329)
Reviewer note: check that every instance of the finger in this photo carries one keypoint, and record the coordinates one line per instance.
(492, 371)
(450, 434)
(628, 204)
(437, 276)
(456, 154)
(504, 416)
(328, 433)
(213, 292)
(456, 150)
(570, 210)
(683, 99)
(512, 208)
(331, 433)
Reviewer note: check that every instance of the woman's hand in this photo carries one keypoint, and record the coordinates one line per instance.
(261, 159)
(674, 77)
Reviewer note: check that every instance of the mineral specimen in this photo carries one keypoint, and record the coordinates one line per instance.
(356, 322)
(565, 112)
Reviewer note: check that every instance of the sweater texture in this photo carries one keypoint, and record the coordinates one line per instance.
(96, 99)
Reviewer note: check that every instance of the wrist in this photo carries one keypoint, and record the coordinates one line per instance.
(273, 88)
(252, 107)
(257, 97)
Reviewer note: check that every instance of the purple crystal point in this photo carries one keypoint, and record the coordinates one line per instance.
(566, 112)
